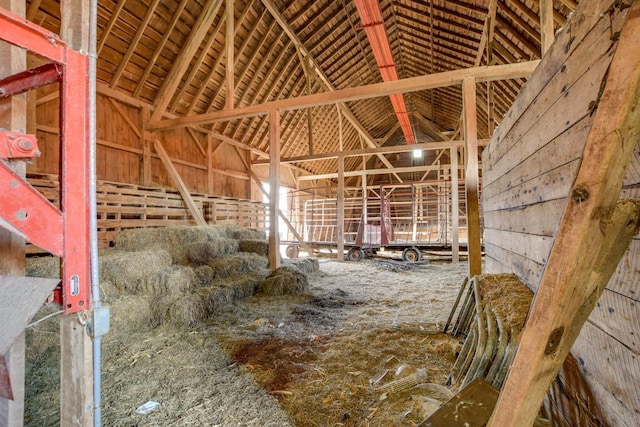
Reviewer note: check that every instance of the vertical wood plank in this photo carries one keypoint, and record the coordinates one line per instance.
(274, 188)
(210, 164)
(546, 25)
(230, 55)
(76, 362)
(455, 207)
(13, 116)
(470, 123)
(145, 141)
(340, 209)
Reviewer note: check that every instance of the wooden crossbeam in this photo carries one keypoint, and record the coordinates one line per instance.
(593, 234)
(373, 151)
(430, 81)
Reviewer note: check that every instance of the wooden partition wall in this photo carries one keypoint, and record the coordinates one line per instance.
(124, 149)
(529, 169)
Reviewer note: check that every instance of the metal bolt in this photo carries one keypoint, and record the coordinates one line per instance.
(21, 214)
(23, 144)
(580, 194)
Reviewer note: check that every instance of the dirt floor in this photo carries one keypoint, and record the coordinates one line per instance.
(339, 355)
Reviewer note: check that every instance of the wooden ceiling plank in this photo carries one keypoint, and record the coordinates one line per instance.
(268, 78)
(110, 24)
(196, 66)
(156, 53)
(172, 79)
(430, 81)
(134, 43)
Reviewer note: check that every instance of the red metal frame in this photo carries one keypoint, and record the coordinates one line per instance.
(63, 231)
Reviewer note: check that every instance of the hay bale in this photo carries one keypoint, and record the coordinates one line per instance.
(305, 265)
(222, 294)
(131, 313)
(132, 272)
(284, 281)
(139, 239)
(174, 279)
(202, 253)
(215, 298)
(108, 291)
(183, 310)
(260, 247)
(204, 276)
(46, 266)
(238, 232)
(236, 265)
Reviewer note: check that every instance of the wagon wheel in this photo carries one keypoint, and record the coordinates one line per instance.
(412, 254)
(355, 254)
(291, 251)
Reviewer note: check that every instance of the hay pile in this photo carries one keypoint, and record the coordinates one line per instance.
(284, 281)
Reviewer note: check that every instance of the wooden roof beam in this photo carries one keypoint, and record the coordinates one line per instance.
(430, 81)
(313, 65)
(173, 78)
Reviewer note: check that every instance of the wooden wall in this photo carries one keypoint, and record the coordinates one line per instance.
(529, 168)
(120, 146)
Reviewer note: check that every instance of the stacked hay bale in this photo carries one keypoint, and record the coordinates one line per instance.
(183, 275)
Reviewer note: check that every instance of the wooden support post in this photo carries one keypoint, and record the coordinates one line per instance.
(274, 188)
(470, 124)
(455, 207)
(177, 179)
(229, 81)
(594, 232)
(340, 210)
(210, 173)
(76, 361)
(145, 114)
(546, 25)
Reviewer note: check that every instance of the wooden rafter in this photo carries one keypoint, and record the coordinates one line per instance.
(172, 79)
(134, 43)
(161, 44)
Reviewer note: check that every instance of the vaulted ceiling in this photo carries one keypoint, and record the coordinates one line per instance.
(171, 54)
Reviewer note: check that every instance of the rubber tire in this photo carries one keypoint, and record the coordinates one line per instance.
(412, 254)
(355, 254)
(292, 251)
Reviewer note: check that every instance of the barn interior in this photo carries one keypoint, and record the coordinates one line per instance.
(313, 213)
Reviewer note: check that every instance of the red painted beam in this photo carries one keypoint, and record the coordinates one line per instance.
(371, 16)
(29, 80)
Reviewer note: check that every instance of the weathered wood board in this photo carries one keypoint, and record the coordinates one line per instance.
(528, 170)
